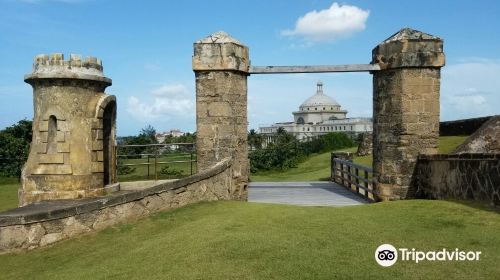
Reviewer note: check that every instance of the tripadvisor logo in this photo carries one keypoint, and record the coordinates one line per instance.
(387, 255)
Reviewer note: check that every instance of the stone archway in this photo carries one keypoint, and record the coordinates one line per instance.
(406, 79)
(109, 153)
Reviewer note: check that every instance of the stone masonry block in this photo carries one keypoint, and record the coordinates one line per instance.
(52, 169)
(97, 145)
(97, 167)
(219, 109)
(62, 125)
(40, 148)
(43, 126)
(63, 147)
(100, 156)
(97, 123)
(97, 134)
(60, 136)
(67, 159)
(50, 158)
(44, 136)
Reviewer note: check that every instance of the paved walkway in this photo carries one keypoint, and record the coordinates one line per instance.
(303, 194)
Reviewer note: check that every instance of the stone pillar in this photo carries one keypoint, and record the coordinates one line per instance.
(72, 152)
(405, 108)
(221, 64)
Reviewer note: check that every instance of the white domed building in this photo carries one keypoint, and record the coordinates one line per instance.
(318, 115)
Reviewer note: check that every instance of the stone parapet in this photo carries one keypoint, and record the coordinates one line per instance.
(462, 176)
(54, 66)
(46, 222)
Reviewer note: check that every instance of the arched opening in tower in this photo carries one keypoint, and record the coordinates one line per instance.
(109, 158)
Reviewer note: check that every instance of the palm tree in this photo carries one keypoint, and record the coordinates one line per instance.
(254, 139)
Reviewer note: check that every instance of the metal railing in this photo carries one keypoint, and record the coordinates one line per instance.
(348, 174)
(154, 156)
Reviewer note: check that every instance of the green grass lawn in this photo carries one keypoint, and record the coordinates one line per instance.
(317, 167)
(141, 171)
(239, 240)
(448, 143)
(8, 193)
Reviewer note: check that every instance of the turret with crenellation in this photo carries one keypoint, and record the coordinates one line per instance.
(72, 151)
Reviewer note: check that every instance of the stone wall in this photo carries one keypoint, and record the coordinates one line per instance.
(365, 146)
(46, 222)
(464, 176)
(461, 127)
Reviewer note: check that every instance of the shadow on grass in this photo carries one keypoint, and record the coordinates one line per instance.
(479, 205)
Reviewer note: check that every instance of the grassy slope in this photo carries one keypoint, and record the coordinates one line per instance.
(317, 167)
(448, 143)
(141, 171)
(8, 193)
(238, 240)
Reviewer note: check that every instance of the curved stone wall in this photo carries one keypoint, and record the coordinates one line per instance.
(46, 222)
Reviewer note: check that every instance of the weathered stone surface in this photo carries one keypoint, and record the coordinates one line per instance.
(13, 237)
(464, 176)
(50, 238)
(365, 146)
(485, 140)
(220, 51)
(409, 48)
(405, 106)
(69, 101)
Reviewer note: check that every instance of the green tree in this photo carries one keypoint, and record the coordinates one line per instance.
(14, 147)
(286, 151)
(254, 139)
(146, 136)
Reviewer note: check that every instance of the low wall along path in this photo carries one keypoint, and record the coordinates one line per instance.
(46, 222)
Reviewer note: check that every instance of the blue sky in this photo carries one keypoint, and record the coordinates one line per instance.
(146, 48)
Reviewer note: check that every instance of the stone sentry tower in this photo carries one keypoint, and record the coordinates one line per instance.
(72, 153)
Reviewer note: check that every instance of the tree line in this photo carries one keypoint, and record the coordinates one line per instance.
(14, 148)
(286, 151)
(15, 143)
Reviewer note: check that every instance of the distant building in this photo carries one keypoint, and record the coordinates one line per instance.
(160, 137)
(318, 115)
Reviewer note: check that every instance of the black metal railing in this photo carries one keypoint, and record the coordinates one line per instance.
(356, 178)
(155, 161)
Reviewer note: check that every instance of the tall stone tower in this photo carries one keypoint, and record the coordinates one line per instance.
(220, 63)
(72, 153)
(406, 108)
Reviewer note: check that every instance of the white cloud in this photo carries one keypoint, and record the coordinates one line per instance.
(170, 90)
(470, 88)
(338, 21)
(166, 102)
